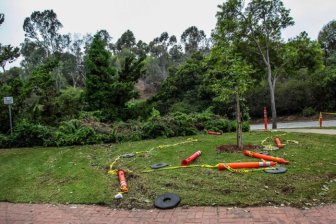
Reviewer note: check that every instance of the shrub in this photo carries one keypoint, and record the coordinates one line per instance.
(158, 126)
(27, 134)
(130, 131)
(308, 111)
(5, 141)
(70, 102)
(219, 124)
(74, 133)
(184, 124)
(246, 126)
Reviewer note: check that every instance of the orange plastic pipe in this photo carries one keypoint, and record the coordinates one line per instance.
(265, 157)
(221, 166)
(214, 133)
(188, 160)
(122, 180)
(278, 142)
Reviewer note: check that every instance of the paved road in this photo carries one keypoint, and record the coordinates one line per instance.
(315, 131)
(87, 214)
(299, 124)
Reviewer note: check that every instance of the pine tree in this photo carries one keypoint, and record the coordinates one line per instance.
(99, 75)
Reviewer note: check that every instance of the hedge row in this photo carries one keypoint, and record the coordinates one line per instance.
(81, 132)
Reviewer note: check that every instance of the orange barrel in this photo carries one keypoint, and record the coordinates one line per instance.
(265, 157)
(214, 133)
(122, 180)
(265, 118)
(221, 166)
(278, 142)
(188, 160)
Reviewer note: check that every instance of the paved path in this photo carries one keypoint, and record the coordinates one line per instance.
(86, 214)
(297, 124)
(315, 131)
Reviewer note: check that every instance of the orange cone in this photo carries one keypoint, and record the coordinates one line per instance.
(122, 180)
(265, 118)
(265, 157)
(188, 160)
(278, 142)
(222, 166)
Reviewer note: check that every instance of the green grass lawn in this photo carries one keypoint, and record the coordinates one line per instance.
(79, 175)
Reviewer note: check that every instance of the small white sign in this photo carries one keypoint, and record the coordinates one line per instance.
(8, 100)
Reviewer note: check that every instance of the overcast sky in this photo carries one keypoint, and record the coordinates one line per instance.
(148, 18)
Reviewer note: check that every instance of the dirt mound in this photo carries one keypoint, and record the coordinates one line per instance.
(234, 148)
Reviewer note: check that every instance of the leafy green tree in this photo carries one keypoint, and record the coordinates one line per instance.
(327, 39)
(99, 75)
(8, 54)
(259, 24)
(165, 52)
(182, 87)
(228, 76)
(77, 48)
(127, 40)
(108, 89)
(70, 102)
(33, 55)
(141, 49)
(11, 85)
(42, 92)
(301, 53)
(42, 28)
(193, 40)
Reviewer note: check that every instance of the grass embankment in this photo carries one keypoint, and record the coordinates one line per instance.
(78, 174)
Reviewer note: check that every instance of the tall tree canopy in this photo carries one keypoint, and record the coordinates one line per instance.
(8, 54)
(260, 24)
(42, 28)
(99, 74)
(109, 88)
(327, 40)
(127, 40)
(193, 40)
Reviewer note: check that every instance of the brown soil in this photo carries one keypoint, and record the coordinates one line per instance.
(234, 148)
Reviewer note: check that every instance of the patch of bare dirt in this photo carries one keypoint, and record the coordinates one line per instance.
(234, 148)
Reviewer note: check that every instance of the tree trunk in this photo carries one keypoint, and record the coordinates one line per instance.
(239, 124)
(271, 84)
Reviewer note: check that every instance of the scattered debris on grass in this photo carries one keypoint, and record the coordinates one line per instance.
(235, 148)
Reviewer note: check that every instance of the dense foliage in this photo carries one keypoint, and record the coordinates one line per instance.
(73, 89)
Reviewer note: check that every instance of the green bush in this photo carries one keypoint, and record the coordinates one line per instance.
(183, 124)
(219, 124)
(5, 141)
(308, 111)
(246, 126)
(130, 131)
(70, 102)
(86, 131)
(74, 133)
(28, 134)
(158, 126)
